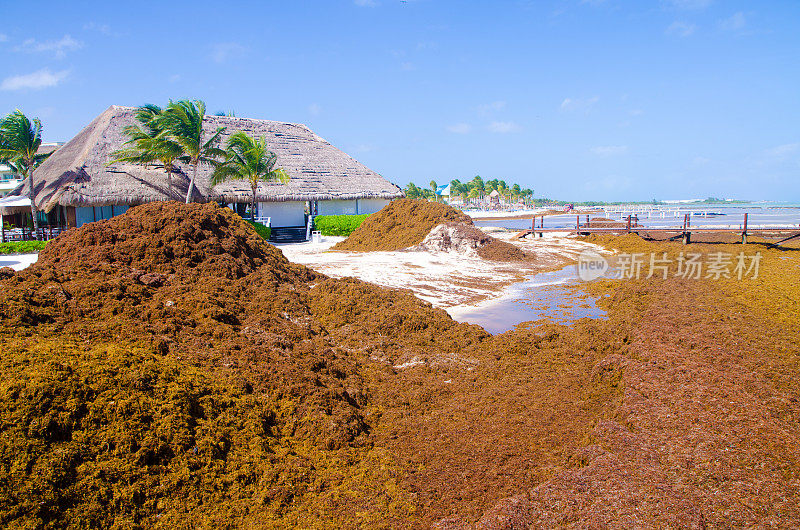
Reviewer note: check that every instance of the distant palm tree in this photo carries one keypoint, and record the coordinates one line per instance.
(19, 146)
(478, 184)
(149, 142)
(182, 121)
(516, 191)
(434, 186)
(248, 158)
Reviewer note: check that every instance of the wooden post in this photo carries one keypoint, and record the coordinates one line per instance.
(2, 229)
(577, 222)
(533, 223)
(744, 232)
(628, 228)
(687, 237)
(587, 220)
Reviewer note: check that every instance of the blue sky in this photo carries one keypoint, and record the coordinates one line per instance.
(577, 99)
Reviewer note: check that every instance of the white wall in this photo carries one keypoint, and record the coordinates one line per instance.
(289, 213)
(338, 207)
(371, 205)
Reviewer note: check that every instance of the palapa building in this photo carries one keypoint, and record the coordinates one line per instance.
(76, 184)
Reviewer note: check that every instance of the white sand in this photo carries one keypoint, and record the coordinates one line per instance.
(445, 279)
(18, 261)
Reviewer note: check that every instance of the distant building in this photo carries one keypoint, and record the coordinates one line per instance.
(77, 185)
(8, 177)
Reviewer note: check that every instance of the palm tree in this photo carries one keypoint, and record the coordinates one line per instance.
(516, 190)
(149, 142)
(413, 191)
(19, 146)
(248, 158)
(182, 122)
(478, 184)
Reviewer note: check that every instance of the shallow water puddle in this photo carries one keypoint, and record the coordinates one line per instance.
(545, 295)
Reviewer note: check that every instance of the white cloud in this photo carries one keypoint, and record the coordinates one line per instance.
(314, 109)
(43, 78)
(60, 47)
(734, 22)
(223, 51)
(503, 127)
(365, 3)
(174, 78)
(460, 128)
(579, 103)
(609, 150)
(488, 108)
(689, 5)
(407, 66)
(104, 29)
(3, 37)
(783, 150)
(682, 29)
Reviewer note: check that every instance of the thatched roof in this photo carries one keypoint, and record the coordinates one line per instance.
(77, 174)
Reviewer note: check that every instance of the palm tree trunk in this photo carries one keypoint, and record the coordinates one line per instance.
(169, 179)
(191, 184)
(34, 212)
(253, 207)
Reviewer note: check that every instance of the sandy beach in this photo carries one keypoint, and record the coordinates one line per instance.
(450, 280)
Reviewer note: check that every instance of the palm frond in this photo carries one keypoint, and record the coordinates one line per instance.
(20, 138)
(248, 159)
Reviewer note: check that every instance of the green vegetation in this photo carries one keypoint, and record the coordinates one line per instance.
(476, 188)
(338, 225)
(19, 148)
(22, 247)
(183, 122)
(149, 143)
(170, 134)
(261, 229)
(248, 158)
(175, 133)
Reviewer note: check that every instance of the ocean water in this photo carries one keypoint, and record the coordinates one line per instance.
(544, 295)
(717, 216)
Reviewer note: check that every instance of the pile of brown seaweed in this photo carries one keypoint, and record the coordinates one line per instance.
(424, 225)
(170, 368)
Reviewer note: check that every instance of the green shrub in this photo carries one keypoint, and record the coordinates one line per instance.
(22, 247)
(262, 230)
(338, 225)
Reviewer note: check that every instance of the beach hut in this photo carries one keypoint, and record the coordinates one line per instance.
(494, 197)
(78, 183)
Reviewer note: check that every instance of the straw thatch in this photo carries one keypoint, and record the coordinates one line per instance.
(77, 174)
